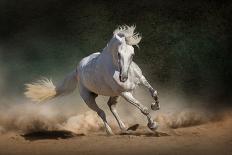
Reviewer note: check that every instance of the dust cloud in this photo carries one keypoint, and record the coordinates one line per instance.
(30, 117)
(71, 113)
(183, 119)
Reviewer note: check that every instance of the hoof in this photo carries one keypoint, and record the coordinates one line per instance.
(109, 133)
(153, 126)
(108, 130)
(155, 106)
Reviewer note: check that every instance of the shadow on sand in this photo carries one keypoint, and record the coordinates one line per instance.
(38, 135)
(146, 134)
(64, 134)
(133, 128)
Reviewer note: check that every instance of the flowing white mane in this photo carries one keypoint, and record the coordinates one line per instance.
(132, 38)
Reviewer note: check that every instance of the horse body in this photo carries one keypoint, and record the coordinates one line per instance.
(110, 73)
(102, 77)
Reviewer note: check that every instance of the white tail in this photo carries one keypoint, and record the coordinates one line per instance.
(44, 89)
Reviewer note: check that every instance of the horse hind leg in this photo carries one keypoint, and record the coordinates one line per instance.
(112, 105)
(89, 99)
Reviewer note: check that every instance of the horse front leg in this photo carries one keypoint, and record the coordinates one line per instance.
(129, 97)
(154, 94)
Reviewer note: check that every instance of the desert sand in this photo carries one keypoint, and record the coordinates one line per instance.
(210, 138)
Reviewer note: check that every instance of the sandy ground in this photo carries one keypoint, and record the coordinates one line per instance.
(210, 138)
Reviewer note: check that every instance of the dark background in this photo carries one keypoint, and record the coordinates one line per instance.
(185, 44)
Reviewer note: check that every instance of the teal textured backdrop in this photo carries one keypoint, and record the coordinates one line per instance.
(185, 44)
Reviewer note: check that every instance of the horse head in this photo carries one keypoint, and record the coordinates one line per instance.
(123, 51)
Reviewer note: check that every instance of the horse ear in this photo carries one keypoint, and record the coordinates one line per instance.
(120, 37)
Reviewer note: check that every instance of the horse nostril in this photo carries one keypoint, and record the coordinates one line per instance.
(123, 78)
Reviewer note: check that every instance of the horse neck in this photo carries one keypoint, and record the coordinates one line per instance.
(107, 56)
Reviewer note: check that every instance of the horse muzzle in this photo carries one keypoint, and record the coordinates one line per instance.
(123, 78)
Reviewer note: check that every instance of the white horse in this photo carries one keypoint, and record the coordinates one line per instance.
(110, 73)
